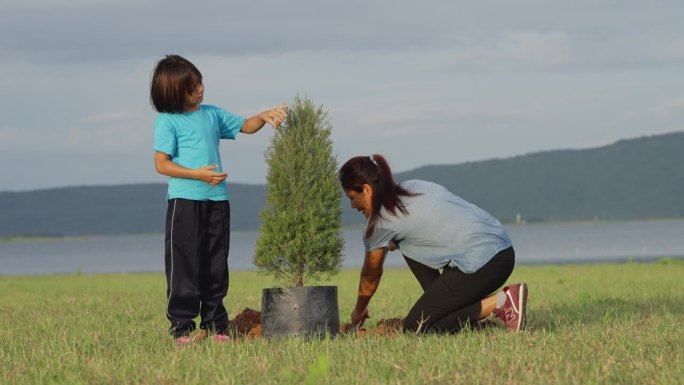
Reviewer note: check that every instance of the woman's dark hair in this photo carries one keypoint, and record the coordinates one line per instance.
(174, 77)
(374, 171)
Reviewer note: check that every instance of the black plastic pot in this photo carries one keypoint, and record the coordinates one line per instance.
(309, 311)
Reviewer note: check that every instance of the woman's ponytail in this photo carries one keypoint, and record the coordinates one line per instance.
(374, 171)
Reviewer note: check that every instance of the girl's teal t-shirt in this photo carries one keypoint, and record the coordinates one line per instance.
(192, 141)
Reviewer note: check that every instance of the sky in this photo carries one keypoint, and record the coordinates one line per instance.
(421, 82)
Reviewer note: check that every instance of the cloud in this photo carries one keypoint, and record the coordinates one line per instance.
(671, 110)
(120, 131)
(108, 30)
(389, 116)
(511, 52)
(497, 36)
(111, 117)
(114, 132)
(9, 136)
(535, 49)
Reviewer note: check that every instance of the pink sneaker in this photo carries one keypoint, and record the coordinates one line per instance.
(220, 338)
(511, 304)
(192, 339)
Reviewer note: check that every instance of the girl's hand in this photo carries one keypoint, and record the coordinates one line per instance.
(212, 177)
(275, 116)
(358, 317)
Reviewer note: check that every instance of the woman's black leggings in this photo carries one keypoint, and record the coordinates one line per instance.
(452, 298)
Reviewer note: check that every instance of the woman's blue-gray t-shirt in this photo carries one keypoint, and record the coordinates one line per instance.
(440, 229)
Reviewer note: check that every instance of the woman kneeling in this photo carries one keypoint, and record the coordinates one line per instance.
(459, 253)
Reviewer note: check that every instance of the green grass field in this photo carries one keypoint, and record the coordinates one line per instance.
(587, 324)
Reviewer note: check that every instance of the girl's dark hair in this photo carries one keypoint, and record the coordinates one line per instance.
(374, 171)
(174, 77)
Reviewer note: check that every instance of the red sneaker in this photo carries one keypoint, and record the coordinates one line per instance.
(511, 306)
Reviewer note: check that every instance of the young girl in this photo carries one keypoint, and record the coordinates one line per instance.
(434, 229)
(186, 145)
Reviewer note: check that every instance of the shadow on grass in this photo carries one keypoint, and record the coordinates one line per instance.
(608, 310)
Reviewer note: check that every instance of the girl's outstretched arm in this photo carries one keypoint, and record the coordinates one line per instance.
(273, 117)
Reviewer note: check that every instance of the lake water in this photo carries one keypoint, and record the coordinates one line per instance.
(547, 243)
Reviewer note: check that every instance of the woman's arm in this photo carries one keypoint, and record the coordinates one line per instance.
(273, 117)
(165, 166)
(371, 272)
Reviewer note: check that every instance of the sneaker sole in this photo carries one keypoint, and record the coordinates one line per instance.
(522, 301)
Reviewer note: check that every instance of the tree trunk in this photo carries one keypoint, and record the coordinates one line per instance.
(299, 274)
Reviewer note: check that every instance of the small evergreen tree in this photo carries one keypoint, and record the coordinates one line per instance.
(300, 235)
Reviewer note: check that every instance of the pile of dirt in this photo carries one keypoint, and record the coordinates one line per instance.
(247, 325)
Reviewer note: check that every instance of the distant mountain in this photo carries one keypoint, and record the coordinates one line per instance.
(121, 209)
(630, 179)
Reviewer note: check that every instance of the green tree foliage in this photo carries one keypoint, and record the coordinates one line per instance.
(300, 235)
